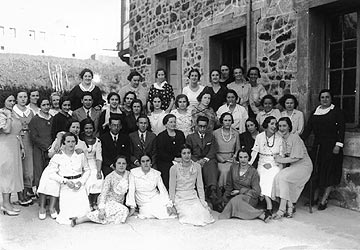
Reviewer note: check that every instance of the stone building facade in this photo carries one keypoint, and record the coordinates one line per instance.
(291, 41)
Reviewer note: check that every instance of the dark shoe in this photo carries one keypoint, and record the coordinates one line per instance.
(25, 203)
(313, 203)
(290, 212)
(322, 206)
(267, 217)
(73, 221)
(268, 212)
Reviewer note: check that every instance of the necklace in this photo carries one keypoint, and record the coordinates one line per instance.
(223, 136)
(267, 141)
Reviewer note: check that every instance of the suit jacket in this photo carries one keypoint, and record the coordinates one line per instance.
(80, 115)
(110, 151)
(207, 148)
(136, 149)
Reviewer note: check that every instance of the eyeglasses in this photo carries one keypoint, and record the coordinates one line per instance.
(202, 126)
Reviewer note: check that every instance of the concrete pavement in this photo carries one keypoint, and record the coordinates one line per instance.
(334, 228)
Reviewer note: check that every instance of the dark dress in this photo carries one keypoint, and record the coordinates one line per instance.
(76, 96)
(167, 149)
(328, 129)
(218, 98)
(130, 122)
(167, 94)
(242, 205)
(247, 141)
(59, 123)
(40, 129)
(226, 82)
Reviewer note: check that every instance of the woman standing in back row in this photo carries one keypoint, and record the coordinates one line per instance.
(328, 125)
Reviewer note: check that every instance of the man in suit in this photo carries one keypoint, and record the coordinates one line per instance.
(113, 144)
(142, 142)
(204, 150)
(87, 111)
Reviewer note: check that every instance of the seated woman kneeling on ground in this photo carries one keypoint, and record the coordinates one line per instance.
(242, 191)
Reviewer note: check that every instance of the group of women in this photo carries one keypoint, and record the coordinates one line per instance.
(45, 148)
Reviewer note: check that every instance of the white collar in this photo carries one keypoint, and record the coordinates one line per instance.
(46, 118)
(83, 88)
(160, 86)
(114, 136)
(321, 111)
(22, 113)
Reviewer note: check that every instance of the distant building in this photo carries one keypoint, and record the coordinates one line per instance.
(300, 46)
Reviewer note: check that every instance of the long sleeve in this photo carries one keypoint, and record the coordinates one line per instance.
(154, 153)
(229, 186)
(213, 149)
(200, 184)
(162, 189)
(53, 168)
(300, 125)
(340, 121)
(255, 189)
(35, 136)
(130, 197)
(98, 153)
(172, 183)
(105, 191)
(86, 170)
(237, 143)
(308, 128)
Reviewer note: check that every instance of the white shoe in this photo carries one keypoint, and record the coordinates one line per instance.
(54, 215)
(42, 216)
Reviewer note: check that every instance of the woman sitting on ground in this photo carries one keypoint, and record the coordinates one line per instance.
(147, 191)
(242, 191)
(71, 171)
(111, 209)
(49, 187)
(187, 191)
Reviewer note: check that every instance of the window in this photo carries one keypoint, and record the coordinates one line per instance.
(228, 48)
(343, 62)
(12, 32)
(42, 35)
(31, 34)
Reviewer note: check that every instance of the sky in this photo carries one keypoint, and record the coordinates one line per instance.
(90, 19)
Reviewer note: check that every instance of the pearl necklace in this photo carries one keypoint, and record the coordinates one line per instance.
(222, 134)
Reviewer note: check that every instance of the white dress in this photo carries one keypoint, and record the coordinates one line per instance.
(297, 121)
(183, 121)
(156, 122)
(149, 193)
(192, 96)
(267, 148)
(93, 184)
(73, 203)
(187, 193)
(47, 185)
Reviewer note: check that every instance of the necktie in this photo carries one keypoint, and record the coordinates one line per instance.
(142, 141)
(202, 140)
(88, 113)
(115, 140)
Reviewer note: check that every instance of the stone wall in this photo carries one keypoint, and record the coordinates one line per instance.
(155, 22)
(282, 56)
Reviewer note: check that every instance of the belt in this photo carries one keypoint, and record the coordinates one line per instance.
(72, 177)
(267, 154)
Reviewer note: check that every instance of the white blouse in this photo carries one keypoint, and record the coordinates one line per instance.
(63, 165)
(239, 114)
(144, 187)
(192, 96)
(297, 121)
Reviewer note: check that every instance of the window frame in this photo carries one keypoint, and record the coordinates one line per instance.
(328, 70)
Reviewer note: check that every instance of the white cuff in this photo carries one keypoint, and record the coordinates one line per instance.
(341, 145)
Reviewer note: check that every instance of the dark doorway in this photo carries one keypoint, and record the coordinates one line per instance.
(228, 48)
(168, 61)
